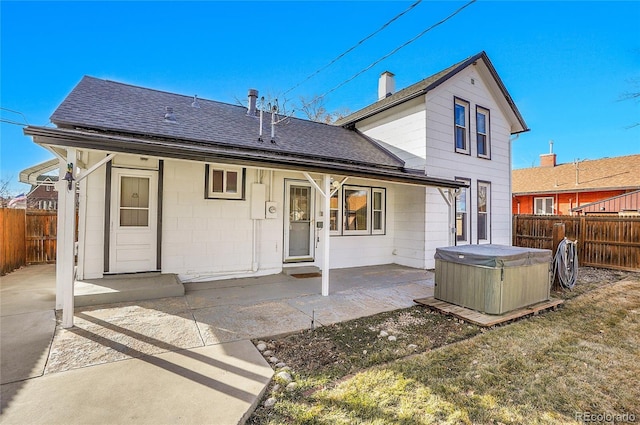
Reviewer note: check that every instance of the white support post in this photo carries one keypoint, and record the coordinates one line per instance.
(326, 235)
(60, 258)
(66, 243)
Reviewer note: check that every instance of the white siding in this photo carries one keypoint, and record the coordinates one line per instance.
(409, 222)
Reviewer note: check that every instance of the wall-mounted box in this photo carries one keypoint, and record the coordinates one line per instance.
(271, 210)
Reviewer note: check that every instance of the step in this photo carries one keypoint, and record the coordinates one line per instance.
(126, 288)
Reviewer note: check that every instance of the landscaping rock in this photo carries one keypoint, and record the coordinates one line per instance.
(291, 386)
(261, 346)
(273, 360)
(412, 346)
(280, 365)
(267, 353)
(391, 338)
(275, 388)
(270, 402)
(383, 334)
(285, 376)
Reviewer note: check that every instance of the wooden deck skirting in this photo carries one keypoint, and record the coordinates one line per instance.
(485, 320)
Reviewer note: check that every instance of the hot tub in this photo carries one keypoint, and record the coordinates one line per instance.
(492, 279)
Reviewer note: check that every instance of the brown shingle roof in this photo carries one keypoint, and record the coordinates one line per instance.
(622, 172)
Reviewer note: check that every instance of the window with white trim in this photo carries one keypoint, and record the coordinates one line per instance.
(224, 182)
(461, 125)
(543, 206)
(484, 211)
(358, 210)
(483, 138)
(462, 213)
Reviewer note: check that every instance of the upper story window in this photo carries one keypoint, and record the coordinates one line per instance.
(224, 182)
(484, 211)
(482, 132)
(462, 213)
(543, 206)
(461, 121)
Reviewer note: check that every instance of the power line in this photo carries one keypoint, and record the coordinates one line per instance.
(15, 112)
(397, 48)
(340, 56)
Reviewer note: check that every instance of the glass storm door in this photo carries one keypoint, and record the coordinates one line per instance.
(299, 222)
(133, 221)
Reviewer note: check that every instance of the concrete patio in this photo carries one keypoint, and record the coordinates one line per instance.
(136, 360)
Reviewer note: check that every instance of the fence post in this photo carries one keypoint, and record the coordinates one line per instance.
(581, 237)
(558, 236)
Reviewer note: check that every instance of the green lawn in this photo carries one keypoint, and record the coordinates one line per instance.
(585, 357)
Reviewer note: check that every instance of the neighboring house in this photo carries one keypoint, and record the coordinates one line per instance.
(561, 189)
(43, 194)
(209, 190)
(623, 205)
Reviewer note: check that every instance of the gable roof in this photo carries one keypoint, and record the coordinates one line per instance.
(622, 172)
(422, 87)
(108, 105)
(116, 117)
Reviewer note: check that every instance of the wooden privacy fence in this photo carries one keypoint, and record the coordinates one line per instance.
(12, 240)
(40, 234)
(607, 242)
(27, 237)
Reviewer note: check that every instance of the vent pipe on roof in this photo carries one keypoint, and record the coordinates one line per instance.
(253, 98)
(169, 116)
(386, 85)
(195, 103)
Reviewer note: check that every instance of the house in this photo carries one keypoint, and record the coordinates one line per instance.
(562, 189)
(627, 205)
(210, 190)
(43, 195)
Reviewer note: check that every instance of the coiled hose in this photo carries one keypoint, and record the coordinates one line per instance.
(565, 264)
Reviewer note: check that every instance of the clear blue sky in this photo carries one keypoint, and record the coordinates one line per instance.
(566, 64)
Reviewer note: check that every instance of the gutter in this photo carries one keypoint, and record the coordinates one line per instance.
(211, 153)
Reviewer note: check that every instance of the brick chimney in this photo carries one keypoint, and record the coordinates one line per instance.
(386, 85)
(548, 159)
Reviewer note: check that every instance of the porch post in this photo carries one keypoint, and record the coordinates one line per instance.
(66, 241)
(326, 228)
(60, 258)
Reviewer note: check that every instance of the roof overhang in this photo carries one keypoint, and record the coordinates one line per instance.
(30, 175)
(206, 152)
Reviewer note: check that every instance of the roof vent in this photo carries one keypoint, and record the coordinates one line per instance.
(195, 103)
(253, 98)
(169, 116)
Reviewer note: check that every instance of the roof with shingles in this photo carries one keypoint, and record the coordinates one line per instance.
(622, 172)
(422, 87)
(116, 107)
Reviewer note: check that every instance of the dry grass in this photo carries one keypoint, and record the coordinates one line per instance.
(545, 369)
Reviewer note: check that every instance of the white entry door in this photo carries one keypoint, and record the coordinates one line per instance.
(298, 226)
(132, 246)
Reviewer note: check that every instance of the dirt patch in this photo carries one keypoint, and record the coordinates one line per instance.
(321, 359)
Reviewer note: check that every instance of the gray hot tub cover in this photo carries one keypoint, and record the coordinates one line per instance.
(493, 255)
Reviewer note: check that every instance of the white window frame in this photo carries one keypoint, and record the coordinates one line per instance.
(466, 192)
(487, 213)
(461, 102)
(543, 200)
(339, 214)
(382, 210)
(487, 134)
(225, 194)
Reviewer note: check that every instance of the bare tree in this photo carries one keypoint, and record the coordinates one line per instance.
(5, 191)
(315, 110)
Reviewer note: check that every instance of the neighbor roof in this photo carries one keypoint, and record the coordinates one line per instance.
(114, 117)
(422, 87)
(622, 172)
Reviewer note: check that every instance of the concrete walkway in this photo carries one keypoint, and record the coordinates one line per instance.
(173, 360)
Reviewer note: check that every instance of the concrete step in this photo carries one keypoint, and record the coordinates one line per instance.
(300, 270)
(126, 288)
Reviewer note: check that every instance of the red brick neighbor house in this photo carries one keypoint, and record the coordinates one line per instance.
(567, 189)
(43, 194)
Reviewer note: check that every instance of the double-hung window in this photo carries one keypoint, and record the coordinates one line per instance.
(484, 211)
(483, 140)
(223, 182)
(461, 123)
(334, 213)
(543, 206)
(462, 213)
(363, 211)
